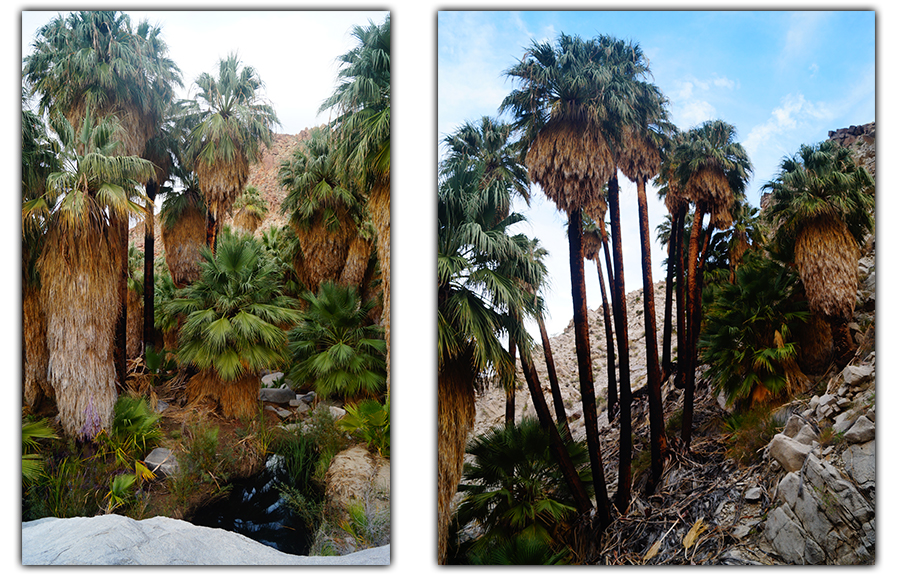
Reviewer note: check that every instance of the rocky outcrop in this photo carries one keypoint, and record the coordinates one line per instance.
(117, 540)
(860, 139)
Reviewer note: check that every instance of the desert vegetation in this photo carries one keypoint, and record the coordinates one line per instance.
(126, 350)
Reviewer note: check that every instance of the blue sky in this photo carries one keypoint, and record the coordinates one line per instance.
(781, 78)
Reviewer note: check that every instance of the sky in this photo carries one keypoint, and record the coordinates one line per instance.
(297, 64)
(783, 79)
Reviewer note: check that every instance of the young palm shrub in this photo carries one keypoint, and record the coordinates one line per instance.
(747, 339)
(514, 487)
(233, 329)
(335, 349)
(371, 421)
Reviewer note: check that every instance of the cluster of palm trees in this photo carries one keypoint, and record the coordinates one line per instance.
(106, 137)
(583, 111)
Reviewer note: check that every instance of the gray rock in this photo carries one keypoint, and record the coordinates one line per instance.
(844, 421)
(117, 540)
(856, 375)
(308, 398)
(788, 452)
(336, 412)
(862, 431)
(276, 395)
(859, 461)
(272, 380)
(753, 494)
(282, 413)
(162, 460)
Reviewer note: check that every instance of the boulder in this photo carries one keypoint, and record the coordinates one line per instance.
(862, 431)
(272, 380)
(788, 452)
(856, 375)
(117, 540)
(277, 395)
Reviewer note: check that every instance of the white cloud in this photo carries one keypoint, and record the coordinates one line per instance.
(795, 110)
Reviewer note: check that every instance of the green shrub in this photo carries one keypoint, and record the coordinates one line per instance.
(370, 421)
(747, 336)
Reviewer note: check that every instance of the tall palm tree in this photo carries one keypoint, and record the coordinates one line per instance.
(234, 122)
(474, 300)
(249, 209)
(574, 101)
(327, 212)
(822, 203)
(712, 169)
(96, 61)
(363, 124)
(78, 268)
(640, 161)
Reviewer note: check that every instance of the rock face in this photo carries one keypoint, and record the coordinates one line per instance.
(117, 540)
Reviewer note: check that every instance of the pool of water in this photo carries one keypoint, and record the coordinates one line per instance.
(255, 509)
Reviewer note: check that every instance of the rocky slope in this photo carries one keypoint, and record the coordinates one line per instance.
(809, 500)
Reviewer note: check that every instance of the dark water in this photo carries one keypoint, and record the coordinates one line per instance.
(255, 509)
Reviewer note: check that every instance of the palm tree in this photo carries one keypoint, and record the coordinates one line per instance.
(95, 61)
(363, 125)
(592, 243)
(474, 300)
(327, 212)
(572, 105)
(249, 209)
(234, 122)
(513, 487)
(78, 268)
(183, 228)
(640, 161)
(712, 170)
(822, 203)
(235, 315)
(334, 349)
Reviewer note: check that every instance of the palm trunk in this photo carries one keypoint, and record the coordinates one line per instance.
(212, 230)
(680, 309)
(511, 385)
(623, 494)
(570, 474)
(456, 414)
(150, 334)
(612, 395)
(657, 430)
(677, 227)
(558, 406)
(119, 229)
(583, 352)
(692, 322)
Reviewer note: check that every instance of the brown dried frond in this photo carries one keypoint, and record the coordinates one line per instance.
(236, 399)
(34, 338)
(379, 205)
(571, 164)
(456, 415)
(182, 243)
(323, 250)
(78, 286)
(827, 257)
(357, 262)
(711, 187)
(815, 346)
(639, 158)
(223, 182)
(591, 244)
(247, 220)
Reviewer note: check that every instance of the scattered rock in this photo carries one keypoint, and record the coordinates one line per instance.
(788, 452)
(862, 431)
(162, 460)
(272, 380)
